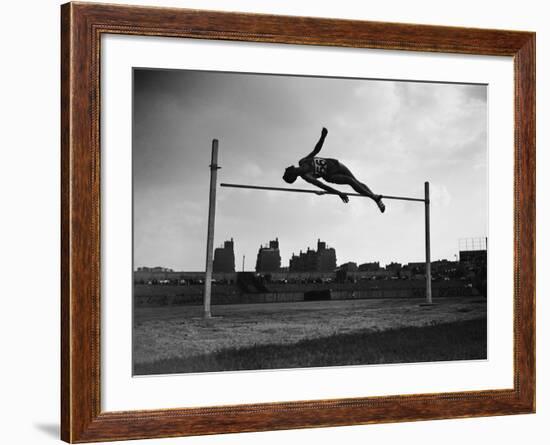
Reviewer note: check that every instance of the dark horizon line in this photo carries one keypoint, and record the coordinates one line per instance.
(358, 264)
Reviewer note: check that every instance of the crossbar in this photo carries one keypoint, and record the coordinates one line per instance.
(320, 192)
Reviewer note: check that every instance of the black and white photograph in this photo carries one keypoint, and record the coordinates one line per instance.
(284, 221)
(229, 222)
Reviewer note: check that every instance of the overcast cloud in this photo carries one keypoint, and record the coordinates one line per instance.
(392, 135)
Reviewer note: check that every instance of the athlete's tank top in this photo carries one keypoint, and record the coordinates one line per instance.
(319, 167)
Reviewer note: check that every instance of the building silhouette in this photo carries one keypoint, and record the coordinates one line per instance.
(349, 267)
(369, 267)
(155, 269)
(269, 257)
(394, 269)
(473, 257)
(321, 260)
(473, 262)
(224, 258)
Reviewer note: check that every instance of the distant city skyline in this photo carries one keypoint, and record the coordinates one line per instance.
(393, 135)
(475, 244)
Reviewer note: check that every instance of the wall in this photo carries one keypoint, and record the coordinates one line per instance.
(29, 184)
(167, 295)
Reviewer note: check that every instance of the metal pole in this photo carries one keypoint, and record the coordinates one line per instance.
(211, 222)
(428, 260)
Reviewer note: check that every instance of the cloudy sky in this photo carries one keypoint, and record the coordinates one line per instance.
(393, 136)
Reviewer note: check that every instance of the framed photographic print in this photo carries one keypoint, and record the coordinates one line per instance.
(274, 222)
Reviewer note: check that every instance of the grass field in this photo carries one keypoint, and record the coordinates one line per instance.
(463, 340)
(305, 334)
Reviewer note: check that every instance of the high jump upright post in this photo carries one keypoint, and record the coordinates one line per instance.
(210, 235)
(428, 253)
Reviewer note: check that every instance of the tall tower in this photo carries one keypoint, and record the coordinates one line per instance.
(224, 257)
(269, 257)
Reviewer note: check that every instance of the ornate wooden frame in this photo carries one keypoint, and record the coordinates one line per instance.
(82, 25)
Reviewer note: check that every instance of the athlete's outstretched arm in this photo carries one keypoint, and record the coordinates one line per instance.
(325, 187)
(319, 144)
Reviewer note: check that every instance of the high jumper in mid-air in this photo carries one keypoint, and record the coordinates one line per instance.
(311, 168)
